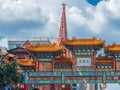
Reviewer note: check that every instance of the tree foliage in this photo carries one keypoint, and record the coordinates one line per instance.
(9, 74)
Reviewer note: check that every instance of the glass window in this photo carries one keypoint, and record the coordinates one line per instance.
(18, 45)
(74, 85)
(106, 66)
(98, 66)
(11, 46)
(74, 88)
(102, 66)
(110, 66)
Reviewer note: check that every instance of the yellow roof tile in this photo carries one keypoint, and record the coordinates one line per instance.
(62, 59)
(88, 42)
(26, 62)
(114, 47)
(103, 59)
(45, 48)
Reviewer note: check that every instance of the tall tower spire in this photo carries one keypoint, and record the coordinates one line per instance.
(63, 25)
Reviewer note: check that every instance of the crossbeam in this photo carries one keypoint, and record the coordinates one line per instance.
(75, 73)
(70, 81)
(71, 77)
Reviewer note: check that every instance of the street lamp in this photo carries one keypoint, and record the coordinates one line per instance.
(63, 86)
(104, 85)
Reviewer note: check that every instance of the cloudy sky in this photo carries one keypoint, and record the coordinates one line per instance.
(23, 19)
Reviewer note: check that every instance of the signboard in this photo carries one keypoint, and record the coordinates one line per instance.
(83, 61)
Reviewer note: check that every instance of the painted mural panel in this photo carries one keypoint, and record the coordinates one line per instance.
(45, 66)
(118, 66)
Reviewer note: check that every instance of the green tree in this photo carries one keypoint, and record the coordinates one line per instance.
(9, 74)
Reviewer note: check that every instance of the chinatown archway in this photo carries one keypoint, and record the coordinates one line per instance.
(69, 77)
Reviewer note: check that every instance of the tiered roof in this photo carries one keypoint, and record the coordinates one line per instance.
(63, 59)
(114, 47)
(103, 59)
(44, 48)
(7, 57)
(86, 42)
(26, 44)
(26, 62)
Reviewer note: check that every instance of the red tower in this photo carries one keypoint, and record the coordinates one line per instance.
(63, 36)
(63, 27)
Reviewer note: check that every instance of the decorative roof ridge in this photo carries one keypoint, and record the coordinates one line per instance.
(100, 57)
(45, 48)
(112, 45)
(26, 62)
(44, 45)
(27, 43)
(84, 39)
(17, 48)
(63, 58)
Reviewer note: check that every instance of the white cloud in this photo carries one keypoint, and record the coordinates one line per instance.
(96, 19)
(30, 18)
(4, 42)
(114, 7)
(27, 15)
(75, 16)
(25, 10)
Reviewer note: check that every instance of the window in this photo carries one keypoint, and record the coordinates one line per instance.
(74, 85)
(110, 66)
(102, 66)
(106, 66)
(18, 45)
(11, 46)
(98, 66)
(74, 88)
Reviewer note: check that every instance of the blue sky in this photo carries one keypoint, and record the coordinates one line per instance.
(23, 19)
(93, 2)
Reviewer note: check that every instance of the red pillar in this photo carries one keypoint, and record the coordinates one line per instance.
(52, 86)
(114, 65)
(26, 87)
(94, 60)
(36, 66)
(68, 87)
(73, 61)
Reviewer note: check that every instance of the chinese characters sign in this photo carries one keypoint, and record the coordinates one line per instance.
(83, 61)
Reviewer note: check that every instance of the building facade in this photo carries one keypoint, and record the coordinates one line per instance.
(35, 40)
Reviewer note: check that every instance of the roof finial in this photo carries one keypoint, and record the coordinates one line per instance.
(63, 5)
(63, 27)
